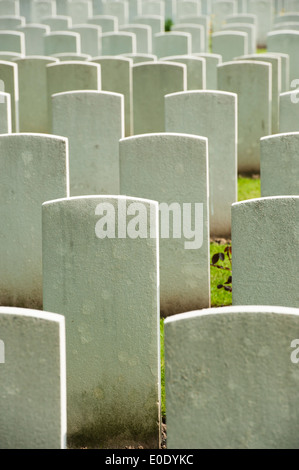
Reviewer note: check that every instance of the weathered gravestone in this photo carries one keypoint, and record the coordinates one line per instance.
(197, 32)
(12, 41)
(289, 111)
(33, 380)
(117, 76)
(118, 43)
(265, 240)
(66, 42)
(173, 170)
(11, 22)
(57, 23)
(212, 61)
(286, 42)
(251, 81)
(5, 113)
(34, 168)
(117, 8)
(275, 61)
(34, 38)
(250, 29)
(33, 97)
(172, 43)
(9, 84)
(151, 82)
(72, 75)
(212, 114)
(279, 165)
(90, 38)
(108, 23)
(229, 44)
(100, 271)
(196, 70)
(143, 34)
(93, 122)
(264, 11)
(41, 9)
(239, 386)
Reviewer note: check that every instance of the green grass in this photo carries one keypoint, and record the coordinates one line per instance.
(248, 188)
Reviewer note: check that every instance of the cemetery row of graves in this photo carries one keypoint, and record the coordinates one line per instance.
(149, 228)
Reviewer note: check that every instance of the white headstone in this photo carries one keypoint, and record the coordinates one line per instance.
(265, 264)
(230, 378)
(117, 76)
(251, 81)
(12, 41)
(220, 10)
(154, 21)
(288, 43)
(289, 111)
(173, 170)
(57, 23)
(212, 114)
(229, 44)
(33, 95)
(90, 38)
(34, 38)
(9, 84)
(212, 62)
(108, 23)
(33, 380)
(151, 82)
(118, 43)
(250, 29)
(264, 11)
(62, 41)
(79, 10)
(196, 70)
(111, 307)
(279, 165)
(172, 43)
(11, 22)
(143, 35)
(9, 7)
(34, 168)
(93, 122)
(200, 20)
(153, 7)
(187, 8)
(117, 8)
(197, 32)
(41, 9)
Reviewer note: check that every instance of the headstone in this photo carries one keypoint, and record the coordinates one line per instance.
(275, 61)
(265, 266)
(70, 76)
(285, 70)
(249, 29)
(33, 97)
(289, 111)
(286, 26)
(212, 62)
(9, 84)
(11, 23)
(173, 170)
(117, 77)
(33, 380)
(279, 165)
(62, 7)
(200, 20)
(57, 23)
(153, 7)
(287, 18)
(5, 113)
(197, 35)
(79, 10)
(251, 80)
(196, 70)
(154, 21)
(137, 58)
(93, 122)
(9, 7)
(12, 41)
(25, 8)
(286, 42)
(151, 82)
(62, 41)
(220, 10)
(135, 7)
(34, 169)
(34, 38)
(212, 114)
(117, 8)
(112, 316)
(118, 43)
(41, 9)
(172, 43)
(108, 23)
(264, 11)
(187, 8)
(90, 38)
(248, 18)
(143, 35)
(229, 44)
(239, 386)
